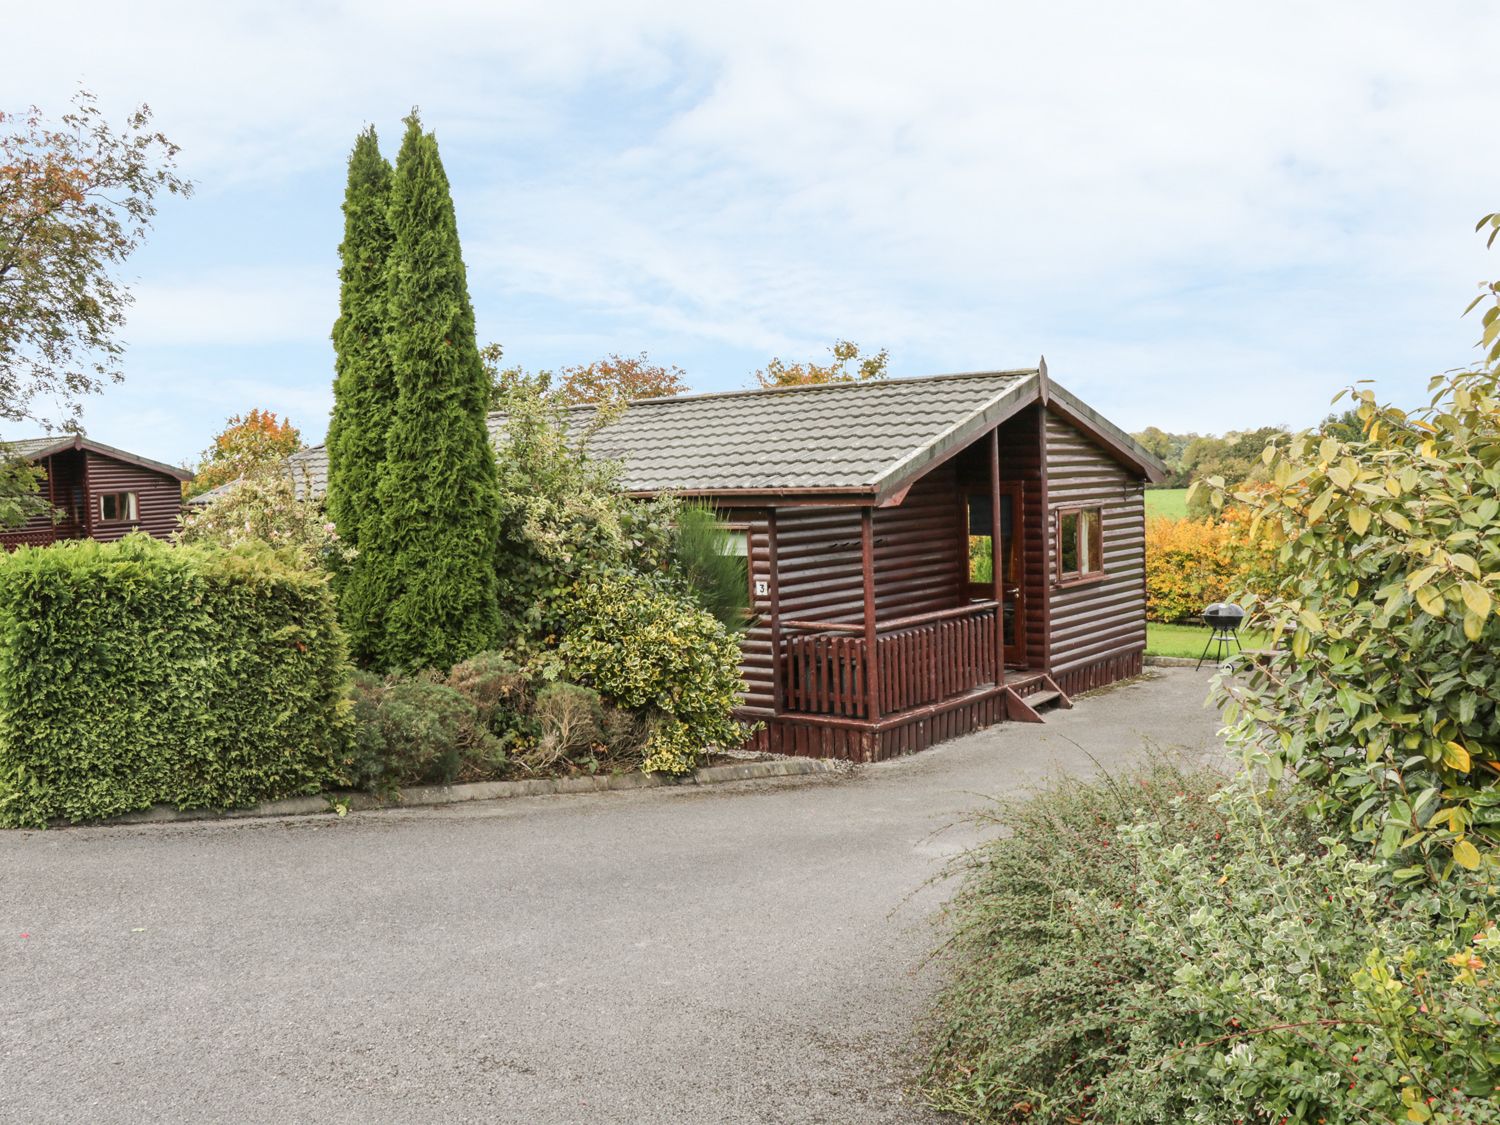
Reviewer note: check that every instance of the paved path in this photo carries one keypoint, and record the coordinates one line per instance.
(735, 954)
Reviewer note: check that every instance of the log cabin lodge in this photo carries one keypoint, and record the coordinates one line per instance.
(888, 615)
(95, 491)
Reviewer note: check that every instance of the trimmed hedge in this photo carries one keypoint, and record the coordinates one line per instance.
(140, 673)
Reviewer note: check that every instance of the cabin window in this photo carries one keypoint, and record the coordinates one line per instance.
(736, 545)
(1080, 544)
(117, 507)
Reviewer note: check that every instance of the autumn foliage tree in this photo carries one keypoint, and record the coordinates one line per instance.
(248, 445)
(614, 379)
(76, 199)
(848, 366)
(617, 378)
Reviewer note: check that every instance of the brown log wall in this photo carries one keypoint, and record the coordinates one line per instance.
(76, 480)
(158, 498)
(1101, 619)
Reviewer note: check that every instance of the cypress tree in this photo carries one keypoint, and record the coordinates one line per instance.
(364, 387)
(437, 492)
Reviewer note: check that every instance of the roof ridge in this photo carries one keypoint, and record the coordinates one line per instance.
(853, 384)
(804, 388)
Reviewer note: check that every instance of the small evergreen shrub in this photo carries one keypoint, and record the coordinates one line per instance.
(139, 673)
(717, 579)
(501, 693)
(656, 654)
(419, 731)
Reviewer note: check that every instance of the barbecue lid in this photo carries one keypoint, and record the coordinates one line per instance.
(1224, 611)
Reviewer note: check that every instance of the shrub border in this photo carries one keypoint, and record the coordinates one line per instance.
(423, 796)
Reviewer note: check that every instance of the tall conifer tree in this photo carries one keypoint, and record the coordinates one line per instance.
(437, 493)
(364, 387)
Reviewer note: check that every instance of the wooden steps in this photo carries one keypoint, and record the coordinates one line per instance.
(1026, 703)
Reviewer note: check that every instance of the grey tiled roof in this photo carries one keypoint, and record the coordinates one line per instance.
(834, 436)
(842, 437)
(25, 447)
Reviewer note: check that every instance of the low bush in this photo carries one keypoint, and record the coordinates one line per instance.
(658, 656)
(265, 508)
(419, 731)
(502, 694)
(1034, 1016)
(139, 673)
(1147, 950)
(571, 722)
(487, 720)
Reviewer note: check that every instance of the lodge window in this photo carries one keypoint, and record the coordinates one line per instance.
(117, 507)
(737, 546)
(1080, 544)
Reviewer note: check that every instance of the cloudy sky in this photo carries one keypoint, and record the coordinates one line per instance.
(1205, 218)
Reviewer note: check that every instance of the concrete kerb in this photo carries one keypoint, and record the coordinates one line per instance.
(1172, 662)
(426, 796)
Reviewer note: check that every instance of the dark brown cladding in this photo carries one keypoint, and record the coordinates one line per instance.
(77, 482)
(1103, 619)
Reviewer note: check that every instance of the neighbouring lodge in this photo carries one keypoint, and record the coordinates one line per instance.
(95, 491)
(888, 614)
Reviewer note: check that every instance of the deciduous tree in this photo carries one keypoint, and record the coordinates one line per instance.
(613, 380)
(845, 352)
(76, 199)
(248, 445)
(20, 489)
(1385, 698)
(617, 378)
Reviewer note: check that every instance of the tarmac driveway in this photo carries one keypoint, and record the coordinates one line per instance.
(745, 953)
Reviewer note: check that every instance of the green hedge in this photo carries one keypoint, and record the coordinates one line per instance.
(138, 673)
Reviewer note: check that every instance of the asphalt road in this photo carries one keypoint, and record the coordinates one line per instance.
(748, 953)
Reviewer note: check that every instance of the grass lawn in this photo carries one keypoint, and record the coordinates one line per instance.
(1169, 502)
(1188, 640)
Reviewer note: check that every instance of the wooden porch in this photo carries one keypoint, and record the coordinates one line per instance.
(918, 661)
(868, 683)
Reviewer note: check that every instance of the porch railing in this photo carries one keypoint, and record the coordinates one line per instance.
(921, 660)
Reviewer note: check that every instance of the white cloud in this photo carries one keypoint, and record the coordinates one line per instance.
(1194, 202)
(234, 307)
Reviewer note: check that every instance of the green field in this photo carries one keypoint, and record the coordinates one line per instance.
(1188, 640)
(1169, 502)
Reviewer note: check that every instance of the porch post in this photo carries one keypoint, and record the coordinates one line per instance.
(872, 646)
(88, 497)
(996, 556)
(774, 589)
